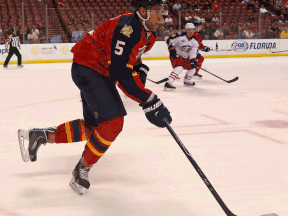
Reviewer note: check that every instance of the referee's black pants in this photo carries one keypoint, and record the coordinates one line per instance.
(12, 51)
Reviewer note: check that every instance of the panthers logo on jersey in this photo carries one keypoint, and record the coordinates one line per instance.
(186, 48)
(127, 30)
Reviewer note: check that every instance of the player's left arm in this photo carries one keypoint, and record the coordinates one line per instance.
(142, 69)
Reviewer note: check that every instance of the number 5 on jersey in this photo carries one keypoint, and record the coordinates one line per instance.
(119, 48)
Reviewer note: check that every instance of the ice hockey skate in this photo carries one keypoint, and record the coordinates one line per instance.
(80, 181)
(197, 75)
(20, 66)
(36, 137)
(188, 81)
(169, 87)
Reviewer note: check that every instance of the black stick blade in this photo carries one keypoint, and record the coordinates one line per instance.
(233, 80)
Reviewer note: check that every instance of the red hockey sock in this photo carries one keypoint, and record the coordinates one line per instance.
(73, 131)
(200, 62)
(101, 139)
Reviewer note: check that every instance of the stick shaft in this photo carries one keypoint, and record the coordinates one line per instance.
(199, 171)
(158, 82)
(280, 51)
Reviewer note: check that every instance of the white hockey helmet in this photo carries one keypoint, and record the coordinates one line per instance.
(189, 26)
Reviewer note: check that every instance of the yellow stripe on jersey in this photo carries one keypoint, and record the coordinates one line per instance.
(134, 73)
(129, 66)
(91, 147)
(68, 132)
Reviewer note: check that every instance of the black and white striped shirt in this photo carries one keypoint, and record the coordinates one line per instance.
(13, 40)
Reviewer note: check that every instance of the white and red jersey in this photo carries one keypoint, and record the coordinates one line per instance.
(185, 47)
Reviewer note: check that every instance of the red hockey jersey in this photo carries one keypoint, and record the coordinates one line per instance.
(113, 49)
(198, 37)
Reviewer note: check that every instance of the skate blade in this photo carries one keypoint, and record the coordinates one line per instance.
(22, 135)
(168, 89)
(77, 188)
(188, 85)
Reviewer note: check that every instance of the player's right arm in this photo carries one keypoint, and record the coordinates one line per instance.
(171, 41)
(124, 50)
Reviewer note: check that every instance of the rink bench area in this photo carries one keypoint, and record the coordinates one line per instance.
(60, 52)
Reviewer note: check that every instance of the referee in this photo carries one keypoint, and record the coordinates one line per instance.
(14, 42)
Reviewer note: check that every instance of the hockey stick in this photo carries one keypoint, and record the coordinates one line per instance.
(216, 50)
(232, 48)
(166, 79)
(228, 81)
(277, 51)
(158, 82)
(200, 172)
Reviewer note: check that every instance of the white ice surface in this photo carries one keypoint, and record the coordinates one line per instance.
(144, 172)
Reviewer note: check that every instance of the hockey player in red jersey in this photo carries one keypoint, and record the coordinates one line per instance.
(183, 49)
(107, 57)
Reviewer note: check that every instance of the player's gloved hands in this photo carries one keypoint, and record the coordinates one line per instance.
(142, 71)
(155, 112)
(206, 49)
(173, 53)
(193, 63)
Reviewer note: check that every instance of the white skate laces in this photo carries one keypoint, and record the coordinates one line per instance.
(83, 172)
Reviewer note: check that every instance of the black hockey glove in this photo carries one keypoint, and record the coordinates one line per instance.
(155, 112)
(173, 53)
(206, 49)
(193, 63)
(142, 71)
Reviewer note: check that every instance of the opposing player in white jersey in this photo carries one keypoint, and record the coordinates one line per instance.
(183, 49)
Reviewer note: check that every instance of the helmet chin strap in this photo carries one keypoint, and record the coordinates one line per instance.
(144, 20)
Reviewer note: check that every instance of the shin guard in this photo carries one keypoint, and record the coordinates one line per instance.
(101, 139)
